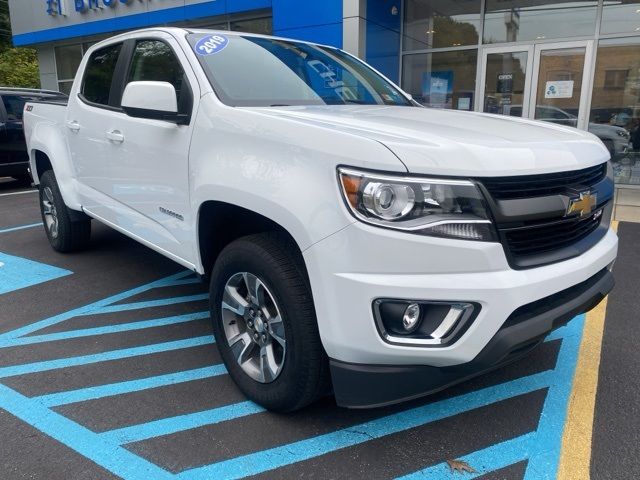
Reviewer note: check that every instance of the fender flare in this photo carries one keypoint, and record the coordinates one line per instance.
(49, 139)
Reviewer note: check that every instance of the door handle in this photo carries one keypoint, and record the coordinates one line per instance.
(73, 126)
(115, 136)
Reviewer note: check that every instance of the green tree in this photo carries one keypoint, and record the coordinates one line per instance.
(18, 66)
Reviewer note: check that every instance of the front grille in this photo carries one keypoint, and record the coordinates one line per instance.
(537, 231)
(546, 237)
(524, 186)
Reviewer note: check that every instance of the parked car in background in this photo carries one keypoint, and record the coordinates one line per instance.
(615, 138)
(14, 160)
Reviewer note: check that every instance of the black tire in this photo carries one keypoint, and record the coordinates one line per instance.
(73, 228)
(276, 261)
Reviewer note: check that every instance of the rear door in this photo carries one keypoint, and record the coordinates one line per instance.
(92, 110)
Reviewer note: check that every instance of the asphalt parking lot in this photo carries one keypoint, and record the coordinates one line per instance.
(108, 369)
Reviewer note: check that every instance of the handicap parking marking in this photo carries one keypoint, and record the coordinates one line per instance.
(540, 448)
(17, 273)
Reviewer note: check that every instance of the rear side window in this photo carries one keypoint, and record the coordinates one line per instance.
(14, 107)
(99, 72)
(154, 61)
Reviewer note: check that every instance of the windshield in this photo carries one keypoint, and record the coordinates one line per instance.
(259, 72)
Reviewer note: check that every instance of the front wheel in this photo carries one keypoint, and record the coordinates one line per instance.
(65, 233)
(265, 324)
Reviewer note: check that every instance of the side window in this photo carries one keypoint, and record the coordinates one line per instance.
(14, 107)
(153, 60)
(96, 86)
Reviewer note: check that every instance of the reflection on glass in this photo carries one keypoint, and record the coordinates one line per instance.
(518, 20)
(620, 16)
(504, 84)
(440, 23)
(615, 106)
(262, 26)
(154, 60)
(559, 86)
(441, 80)
(68, 60)
(65, 87)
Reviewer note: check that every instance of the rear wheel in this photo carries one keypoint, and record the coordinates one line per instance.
(65, 233)
(265, 325)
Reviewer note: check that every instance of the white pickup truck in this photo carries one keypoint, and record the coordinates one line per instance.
(354, 240)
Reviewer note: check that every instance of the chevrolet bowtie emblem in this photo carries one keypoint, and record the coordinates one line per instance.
(583, 205)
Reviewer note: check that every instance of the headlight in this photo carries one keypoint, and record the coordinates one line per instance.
(623, 133)
(427, 206)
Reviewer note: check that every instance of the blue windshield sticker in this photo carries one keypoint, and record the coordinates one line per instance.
(211, 44)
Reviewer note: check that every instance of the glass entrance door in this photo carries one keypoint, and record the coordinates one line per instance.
(506, 80)
(559, 94)
(544, 82)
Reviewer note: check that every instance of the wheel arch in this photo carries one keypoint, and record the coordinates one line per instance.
(48, 151)
(220, 223)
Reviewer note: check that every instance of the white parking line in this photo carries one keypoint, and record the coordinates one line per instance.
(17, 193)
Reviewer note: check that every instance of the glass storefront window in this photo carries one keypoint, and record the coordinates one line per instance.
(262, 26)
(615, 106)
(520, 20)
(620, 16)
(440, 23)
(443, 79)
(68, 60)
(65, 87)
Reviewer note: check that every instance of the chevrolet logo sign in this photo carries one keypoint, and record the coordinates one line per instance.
(583, 205)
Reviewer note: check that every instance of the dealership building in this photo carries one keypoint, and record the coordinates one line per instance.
(572, 62)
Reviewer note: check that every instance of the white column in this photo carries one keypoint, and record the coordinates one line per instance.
(354, 27)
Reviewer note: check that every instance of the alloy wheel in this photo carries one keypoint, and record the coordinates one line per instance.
(253, 327)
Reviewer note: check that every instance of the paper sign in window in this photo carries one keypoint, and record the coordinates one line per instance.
(559, 89)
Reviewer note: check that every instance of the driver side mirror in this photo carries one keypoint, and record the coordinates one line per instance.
(152, 100)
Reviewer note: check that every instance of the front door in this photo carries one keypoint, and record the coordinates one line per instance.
(538, 81)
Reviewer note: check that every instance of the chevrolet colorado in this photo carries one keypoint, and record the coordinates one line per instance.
(354, 240)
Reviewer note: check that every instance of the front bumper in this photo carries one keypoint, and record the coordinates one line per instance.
(359, 264)
(364, 386)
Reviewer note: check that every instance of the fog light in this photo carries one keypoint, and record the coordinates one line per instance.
(411, 317)
(422, 322)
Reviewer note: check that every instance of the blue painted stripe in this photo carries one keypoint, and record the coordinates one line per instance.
(113, 458)
(20, 227)
(108, 329)
(180, 423)
(186, 281)
(18, 272)
(483, 461)
(88, 309)
(542, 447)
(152, 303)
(104, 356)
(141, 20)
(119, 388)
(545, 456)
(560, 333)
(277, 457)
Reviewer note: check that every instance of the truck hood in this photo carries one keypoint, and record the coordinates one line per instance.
(449, 142)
